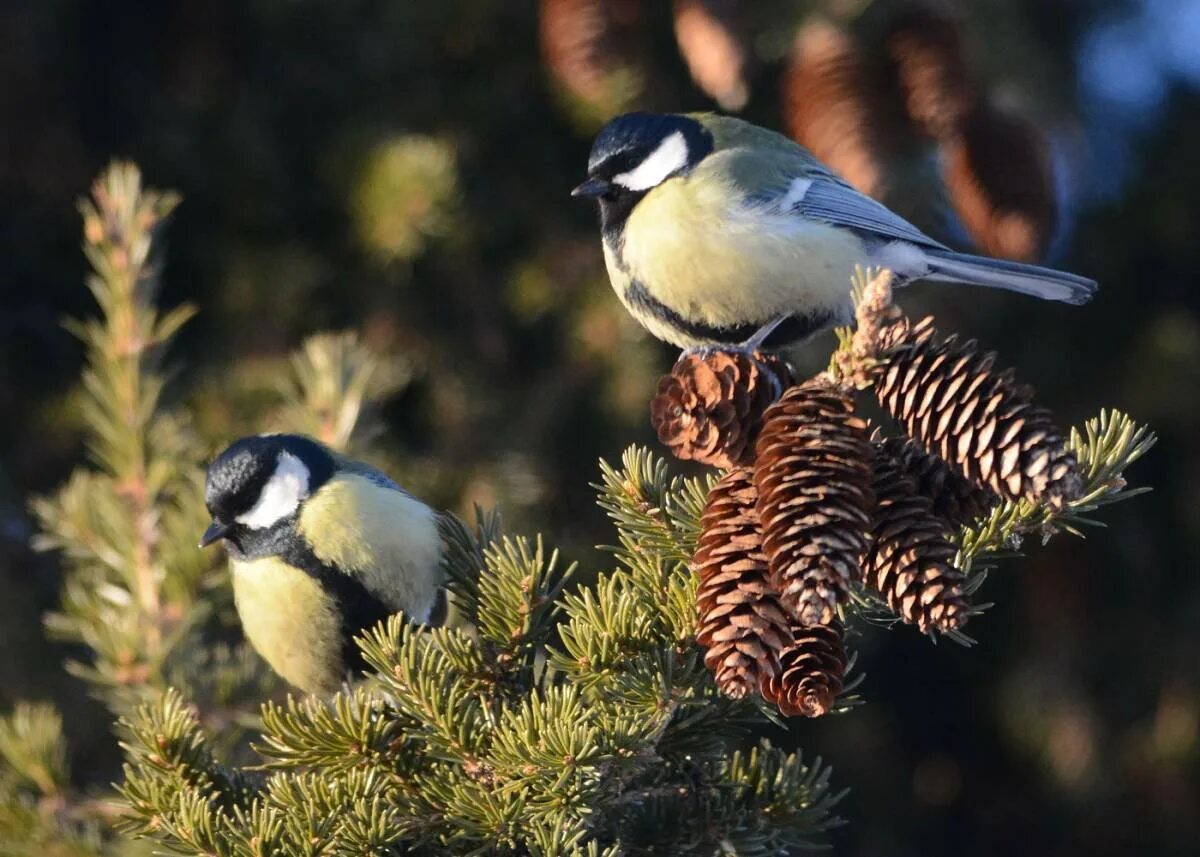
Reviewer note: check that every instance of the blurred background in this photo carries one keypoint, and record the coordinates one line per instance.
(402, 169)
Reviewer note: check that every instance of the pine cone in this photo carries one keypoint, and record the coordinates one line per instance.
(832, 107)
(811, 672)
(742, 624)
(955, 500)
(924, 44)
(1001, 180)
(981, 422)
(814, 495)
(710, 408)
(711, 42)
(911, 559)
(588, 46)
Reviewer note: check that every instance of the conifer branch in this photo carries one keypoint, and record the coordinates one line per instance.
(1105, 447)
(492, 739)
(551, 720)
(334, 383)
(39, 811)
(31, 746)
(132, 594)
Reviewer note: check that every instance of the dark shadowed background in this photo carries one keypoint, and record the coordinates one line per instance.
(402, 168)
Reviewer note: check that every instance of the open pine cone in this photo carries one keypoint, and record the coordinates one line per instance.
(911, 559)
(710, 408)
(813, 475)
(949, 399)
(743, 626)
(811, 672)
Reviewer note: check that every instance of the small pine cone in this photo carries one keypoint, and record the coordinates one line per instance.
(814, 495)
(743, 626)
(911, 559)
(710, 408)
(710, 39)
(955, 500)
(925, 45)
(811, 671)
(984, 424)
(1000, 178)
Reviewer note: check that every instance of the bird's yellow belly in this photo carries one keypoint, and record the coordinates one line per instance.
(291, 622)
(733, 267)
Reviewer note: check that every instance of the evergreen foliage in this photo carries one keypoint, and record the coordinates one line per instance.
(551, 722)
(146, 608)
(39, 817)
(555, 717)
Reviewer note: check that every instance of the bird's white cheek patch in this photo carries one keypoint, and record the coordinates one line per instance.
(281, 495)
(671, 155)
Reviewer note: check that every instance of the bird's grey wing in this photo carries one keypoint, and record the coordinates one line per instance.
(794, 182)
(828, 199)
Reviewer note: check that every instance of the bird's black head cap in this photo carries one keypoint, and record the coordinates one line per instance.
(625, 142)
(635, 153)
(253, 488)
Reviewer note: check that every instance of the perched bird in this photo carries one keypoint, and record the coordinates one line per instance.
(321, 548)
(718, 232)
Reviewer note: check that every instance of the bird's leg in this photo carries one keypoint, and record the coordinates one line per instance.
(755, 342)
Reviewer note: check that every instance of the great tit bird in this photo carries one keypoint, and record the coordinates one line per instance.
(321, 548)
(718, 232)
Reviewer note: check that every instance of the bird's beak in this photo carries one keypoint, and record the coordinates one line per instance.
(215, 532)
(592, 188)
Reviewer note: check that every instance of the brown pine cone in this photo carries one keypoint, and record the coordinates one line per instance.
(955, 500)
(911, 559)
(951, 401)
(811, 672)
(743, 626)
(710, 408)
(814, 497)
(924, 44)
(712, 44)
(832, 107)
(589, 48)
(1000, 179)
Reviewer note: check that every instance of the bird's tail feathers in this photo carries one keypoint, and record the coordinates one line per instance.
(1045, 283)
